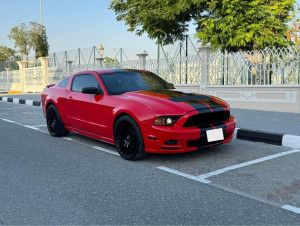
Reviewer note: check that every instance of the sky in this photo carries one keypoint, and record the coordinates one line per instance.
(73, 24)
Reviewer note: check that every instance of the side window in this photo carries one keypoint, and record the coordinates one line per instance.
(82, 81)
(64, 83)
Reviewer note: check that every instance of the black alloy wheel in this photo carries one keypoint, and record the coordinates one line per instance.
(54, 123)
(128, 139)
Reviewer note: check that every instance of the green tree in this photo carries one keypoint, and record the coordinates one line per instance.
(246, 25)
(21, 35)
(30, 37)
(110, 60)
(6, 53)
(38, 39)
(230, 25)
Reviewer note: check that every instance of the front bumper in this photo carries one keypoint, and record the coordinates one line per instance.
(157, 139)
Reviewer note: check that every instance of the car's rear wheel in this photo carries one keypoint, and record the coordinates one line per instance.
(54, 123)
(128, 139)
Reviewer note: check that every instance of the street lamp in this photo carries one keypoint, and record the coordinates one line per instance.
(101, 50)
(101, 59)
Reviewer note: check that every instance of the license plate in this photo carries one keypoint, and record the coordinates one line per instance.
(214, 135)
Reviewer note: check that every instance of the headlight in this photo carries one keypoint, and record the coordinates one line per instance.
(165, 120)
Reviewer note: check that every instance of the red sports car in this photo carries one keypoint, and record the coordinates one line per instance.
(137, 111)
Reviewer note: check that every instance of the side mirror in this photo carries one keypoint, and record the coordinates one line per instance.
(91, 90)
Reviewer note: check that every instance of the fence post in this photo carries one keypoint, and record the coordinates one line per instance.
(100, 61)
(44, 62)
(7, 78)
(69, 67)
(142, 57)
(22, 65)
(205, 51)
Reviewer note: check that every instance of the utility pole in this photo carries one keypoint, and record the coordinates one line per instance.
(41, 12)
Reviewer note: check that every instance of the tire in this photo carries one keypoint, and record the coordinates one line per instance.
(128, 139)
(54, 123)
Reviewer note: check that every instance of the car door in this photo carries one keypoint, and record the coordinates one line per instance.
(85, 109)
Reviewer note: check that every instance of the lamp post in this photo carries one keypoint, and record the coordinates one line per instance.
(101, 59)
(142, 58)
(41, 12)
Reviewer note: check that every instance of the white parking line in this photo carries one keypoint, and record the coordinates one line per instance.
(66, 138)
(31, 127)
(40, 126)
(291, 208)
(105, 150)
(226, 169)
(7, 120)
(184, 174)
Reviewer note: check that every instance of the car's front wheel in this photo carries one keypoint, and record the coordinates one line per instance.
(128, 139)
(54, 123)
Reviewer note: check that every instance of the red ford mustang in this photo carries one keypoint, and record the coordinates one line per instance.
(137, 111)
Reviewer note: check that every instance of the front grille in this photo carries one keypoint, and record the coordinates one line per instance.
(207, 118)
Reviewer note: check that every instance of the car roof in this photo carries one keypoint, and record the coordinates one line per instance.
(112, 70)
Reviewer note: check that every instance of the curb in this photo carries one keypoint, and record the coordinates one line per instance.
(21, 101)
(285, 140)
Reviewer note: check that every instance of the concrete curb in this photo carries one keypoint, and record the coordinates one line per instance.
(21, 101)
(285, 140)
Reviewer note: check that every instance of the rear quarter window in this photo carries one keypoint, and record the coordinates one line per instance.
(64, 83)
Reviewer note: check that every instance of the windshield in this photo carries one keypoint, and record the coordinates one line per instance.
(121, 82)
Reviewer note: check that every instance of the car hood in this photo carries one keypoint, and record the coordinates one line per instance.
(176, 102)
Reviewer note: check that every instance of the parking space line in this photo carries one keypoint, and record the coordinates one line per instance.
(226, 169)
(291, 208)
(7, 120)
(184, 174)
(40, 126)
(31, 127)
(105, 150)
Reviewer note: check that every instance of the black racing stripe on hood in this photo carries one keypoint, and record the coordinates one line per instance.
(188, 98)
(216, 109)
(170, 93)
(199, 102)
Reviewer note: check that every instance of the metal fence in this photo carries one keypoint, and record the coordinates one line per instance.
(265, 67)
(271, 66)
(8, 79)
(279, 66)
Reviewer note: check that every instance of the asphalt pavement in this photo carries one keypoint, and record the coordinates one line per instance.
(48, 180)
